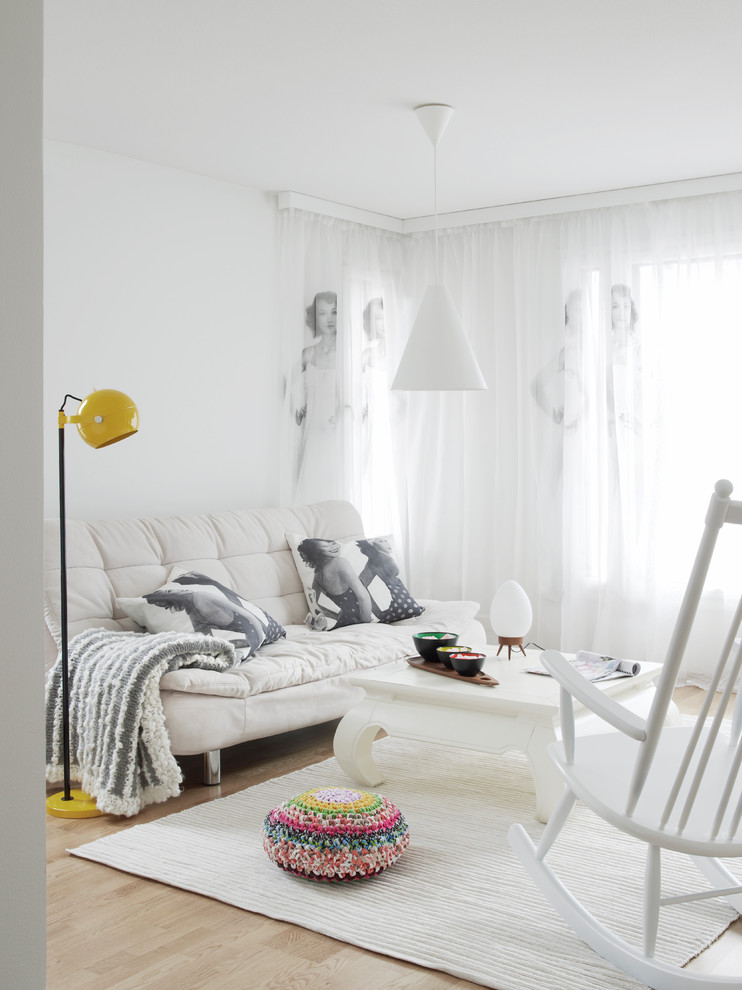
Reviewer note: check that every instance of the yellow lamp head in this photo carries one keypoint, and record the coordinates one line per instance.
(105, 417)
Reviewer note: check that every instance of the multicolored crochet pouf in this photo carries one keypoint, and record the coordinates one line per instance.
(335, 833)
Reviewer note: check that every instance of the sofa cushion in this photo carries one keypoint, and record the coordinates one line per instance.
(347, 582)
(192, 602)
(306, 655)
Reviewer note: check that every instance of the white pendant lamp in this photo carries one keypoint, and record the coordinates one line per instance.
(511, 616)
(438, 355)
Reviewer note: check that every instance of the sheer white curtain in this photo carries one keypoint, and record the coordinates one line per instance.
(341, 300)
(656, 369)
(610, 342)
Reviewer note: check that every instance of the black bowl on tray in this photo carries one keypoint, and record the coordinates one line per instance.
(426, 643)
(443, 653)
(467, 664)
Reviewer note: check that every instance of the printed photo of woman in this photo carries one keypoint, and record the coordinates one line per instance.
(381, 565)
(314, 402)
(346, 598)
(208, 612)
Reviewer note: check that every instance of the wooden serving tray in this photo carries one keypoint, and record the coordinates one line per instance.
(436, 667)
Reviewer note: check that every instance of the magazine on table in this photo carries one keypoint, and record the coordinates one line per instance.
(597, 667)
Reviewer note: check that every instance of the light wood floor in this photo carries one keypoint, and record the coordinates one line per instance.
(111, 931)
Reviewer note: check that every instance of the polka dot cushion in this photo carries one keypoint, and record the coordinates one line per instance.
(381, 596)
(335, 833)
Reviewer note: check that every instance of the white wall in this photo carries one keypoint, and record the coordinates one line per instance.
(22, 862)
(160, 283)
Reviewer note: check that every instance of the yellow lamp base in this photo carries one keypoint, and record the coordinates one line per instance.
(80, 805)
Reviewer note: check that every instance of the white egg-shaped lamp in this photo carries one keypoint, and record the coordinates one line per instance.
(511, 616)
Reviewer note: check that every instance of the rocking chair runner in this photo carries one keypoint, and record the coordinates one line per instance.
(673, 787)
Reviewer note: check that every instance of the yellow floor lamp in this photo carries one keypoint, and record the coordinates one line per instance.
(104, 417)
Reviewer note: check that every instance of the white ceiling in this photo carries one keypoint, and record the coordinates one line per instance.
(552, 97)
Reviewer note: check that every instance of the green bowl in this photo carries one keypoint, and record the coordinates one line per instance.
(426, 643)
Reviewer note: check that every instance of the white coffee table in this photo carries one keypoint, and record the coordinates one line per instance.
(521, 713)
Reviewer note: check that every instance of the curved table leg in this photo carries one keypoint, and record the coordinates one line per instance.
(353, 742)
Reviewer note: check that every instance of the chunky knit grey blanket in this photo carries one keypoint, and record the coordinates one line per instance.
(119, 746)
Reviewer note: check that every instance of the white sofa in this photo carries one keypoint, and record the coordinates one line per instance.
(299, 680)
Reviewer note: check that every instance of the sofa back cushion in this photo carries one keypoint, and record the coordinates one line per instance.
(244, 549)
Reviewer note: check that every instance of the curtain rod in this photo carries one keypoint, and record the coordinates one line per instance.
(680, 189)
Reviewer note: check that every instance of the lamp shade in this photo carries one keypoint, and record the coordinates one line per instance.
(438, 355)
(105, 417)
(511, 613)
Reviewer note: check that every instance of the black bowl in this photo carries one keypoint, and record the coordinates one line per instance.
(468, 664)
(442, 653)
(427, 643)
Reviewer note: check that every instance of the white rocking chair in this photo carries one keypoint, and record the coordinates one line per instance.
(672, 787)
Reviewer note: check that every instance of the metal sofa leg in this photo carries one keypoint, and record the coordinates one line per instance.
(213, 767)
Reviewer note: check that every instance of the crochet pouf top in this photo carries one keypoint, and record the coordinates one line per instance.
(335, 833)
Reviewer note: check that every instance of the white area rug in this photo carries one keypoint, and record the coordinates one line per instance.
(458, 899)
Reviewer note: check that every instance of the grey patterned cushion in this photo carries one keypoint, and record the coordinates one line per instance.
(351, 582)
(193, 602)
